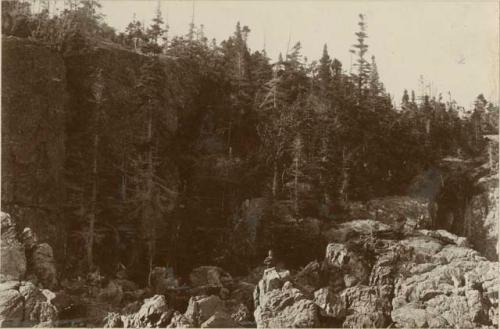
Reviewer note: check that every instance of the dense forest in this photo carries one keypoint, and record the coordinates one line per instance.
(146, 188)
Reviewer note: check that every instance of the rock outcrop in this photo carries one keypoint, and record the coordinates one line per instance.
(153, 313)
(40, 258)
(279, 304)
(456, 287)
(13, 259)
(21, 302)
(34, 97)
(287, 307)
(426, 279)
(201, 308)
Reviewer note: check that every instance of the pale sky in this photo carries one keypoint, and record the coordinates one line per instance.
(453, 44)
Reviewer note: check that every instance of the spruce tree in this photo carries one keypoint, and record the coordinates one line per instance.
(156, 33)
(363, 67)
(374, 81)
(325, 73)
(151, 195)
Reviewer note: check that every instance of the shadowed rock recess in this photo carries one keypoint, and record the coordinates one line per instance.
(225, 240)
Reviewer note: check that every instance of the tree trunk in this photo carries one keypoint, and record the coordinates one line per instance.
(124, 180)
(230, 130)
(275, 178)
(93, 208)
(296, 176)
(345, 178)
(150, 229)
(490, 154)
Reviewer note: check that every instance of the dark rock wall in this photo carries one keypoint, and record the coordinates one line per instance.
(34, 100)
(48, 105)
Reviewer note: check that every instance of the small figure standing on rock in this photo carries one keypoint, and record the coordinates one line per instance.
(269, 261)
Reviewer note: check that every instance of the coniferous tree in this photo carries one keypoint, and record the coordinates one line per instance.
(237, 62)
(135, 33)
(151, 195)
(275, 124)
(363, 67)
(97, 91)
(155, 34)
(325, 74)
(405, 101)
(374, 82)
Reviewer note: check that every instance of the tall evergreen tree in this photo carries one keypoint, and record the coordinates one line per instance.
(374, 81)
(156, 33)
(363, 67)
(151, 194)
(325, 73)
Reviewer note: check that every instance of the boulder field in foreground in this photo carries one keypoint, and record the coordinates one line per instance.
(372, 279)
(426, 279)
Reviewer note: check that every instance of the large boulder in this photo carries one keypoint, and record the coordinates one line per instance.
(360, 277)
(154, 313)
(12, 256)
(38, 307)
(11, 304)
(271, 280)
(279, 304)
(308, 279)
(23, 304)
(342, 262)
(201, 308)
(286, 308)
(41, 263)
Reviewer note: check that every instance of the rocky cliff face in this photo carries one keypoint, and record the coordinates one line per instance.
(48, 108)
(34, 99)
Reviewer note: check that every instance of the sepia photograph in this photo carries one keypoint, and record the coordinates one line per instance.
(249, 164)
